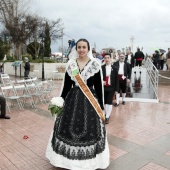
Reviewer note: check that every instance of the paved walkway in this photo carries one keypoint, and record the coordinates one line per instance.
(140, 86)
(138, 135)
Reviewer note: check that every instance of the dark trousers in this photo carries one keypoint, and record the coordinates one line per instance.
(26, 74)
(161, 66)
(122, 86)
(108, 94)
(3, 106)
(138, 63)
(155, 62)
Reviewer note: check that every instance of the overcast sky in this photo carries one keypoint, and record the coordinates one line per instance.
(111, 23)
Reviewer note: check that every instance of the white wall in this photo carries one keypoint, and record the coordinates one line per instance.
(48, 69)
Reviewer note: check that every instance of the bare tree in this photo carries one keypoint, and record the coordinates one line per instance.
(39, 34)
(25, 28)
(56, 28)
(17, 20)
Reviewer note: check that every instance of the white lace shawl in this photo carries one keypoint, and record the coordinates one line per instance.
(89, 70)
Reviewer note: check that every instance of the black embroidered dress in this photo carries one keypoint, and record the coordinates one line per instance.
(78, 140)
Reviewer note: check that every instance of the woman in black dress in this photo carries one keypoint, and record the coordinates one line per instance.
(78, 140)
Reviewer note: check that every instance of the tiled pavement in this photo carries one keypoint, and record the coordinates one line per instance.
(138, 135)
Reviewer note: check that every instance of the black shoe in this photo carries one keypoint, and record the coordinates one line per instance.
(135, 72)
(107, 121)
(123, 102)
(116, 104)
(4, 117)
(140, 72)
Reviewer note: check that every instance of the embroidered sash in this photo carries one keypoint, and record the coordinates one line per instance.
(84, 88)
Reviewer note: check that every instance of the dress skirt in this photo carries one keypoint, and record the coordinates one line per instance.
(78, 140)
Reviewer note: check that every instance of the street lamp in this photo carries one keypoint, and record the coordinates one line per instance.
(62, 41)
(42, 36)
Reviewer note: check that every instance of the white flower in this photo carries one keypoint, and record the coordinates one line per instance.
(58, 101)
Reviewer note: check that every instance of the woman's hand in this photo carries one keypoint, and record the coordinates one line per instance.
(128, 80)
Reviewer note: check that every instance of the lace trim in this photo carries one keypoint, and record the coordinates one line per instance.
(89, 70)
(80, 152)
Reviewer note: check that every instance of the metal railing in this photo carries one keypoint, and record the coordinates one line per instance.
(153, 75)
(168, 78)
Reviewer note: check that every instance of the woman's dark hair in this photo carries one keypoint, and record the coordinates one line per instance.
(84, 40)
(107, 54)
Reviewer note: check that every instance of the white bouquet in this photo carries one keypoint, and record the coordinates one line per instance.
(56, 106)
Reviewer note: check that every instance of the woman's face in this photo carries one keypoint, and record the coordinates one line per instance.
(82, 49)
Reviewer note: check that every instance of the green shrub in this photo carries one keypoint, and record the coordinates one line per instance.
(45, 61)
(10, 58)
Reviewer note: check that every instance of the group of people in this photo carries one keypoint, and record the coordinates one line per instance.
(79, 139)
(159, 58)
(168, 59)
(123, 65)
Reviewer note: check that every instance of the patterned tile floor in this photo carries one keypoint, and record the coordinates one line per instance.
(138, 135)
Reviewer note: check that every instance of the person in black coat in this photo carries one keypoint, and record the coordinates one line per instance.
(139, 56)
(110, 81)
(156, 57)
(27, 68)
(124, 76)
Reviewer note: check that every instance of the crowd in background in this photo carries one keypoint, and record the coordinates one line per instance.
(159, 57)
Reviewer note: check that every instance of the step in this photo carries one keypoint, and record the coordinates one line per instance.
(164, 73)
(164, 84)
(164, 78)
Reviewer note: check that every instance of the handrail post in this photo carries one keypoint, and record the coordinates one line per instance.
(152, 72)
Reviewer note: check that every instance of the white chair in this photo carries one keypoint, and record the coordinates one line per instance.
(5, 78)
(33, 89)
(20, 81)
(34, 79)
(46, 89)
(22, 92)
(51, 85)
(9, 94)
(4, 75)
